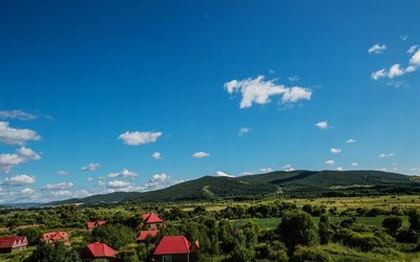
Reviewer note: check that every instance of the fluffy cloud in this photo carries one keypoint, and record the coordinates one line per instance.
(377, 49)
(15, 136)
(119, 184)
(412, 49)
(200, 155)
(156, 155)
(386, 155)
(91, 167)
(259, 91)
(159, 181)
(330, 162)
(354, 164)
(244, 130)
(17, 114)
(22, 155)
(351, 141)
(59, 186)
(335, 150)
(221, 173)
(396, 70)
(322, 125)
(265, 169)
(339, 168)
(139, 138)
(288, 168)
(19, 180)
(123, 173)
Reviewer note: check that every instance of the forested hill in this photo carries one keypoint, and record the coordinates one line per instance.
(295, 183)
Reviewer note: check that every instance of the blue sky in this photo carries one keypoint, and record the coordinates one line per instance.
(91, 91)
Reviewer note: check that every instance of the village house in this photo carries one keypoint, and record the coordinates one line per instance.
(56, 236)
(9, 244)
(90, 225)
(99, 251)
(175, 249)
(151, 221)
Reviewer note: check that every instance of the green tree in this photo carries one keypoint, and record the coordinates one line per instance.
(32, 234)
(324, 229)
(296, 228)
(392, 224)
(116, 236)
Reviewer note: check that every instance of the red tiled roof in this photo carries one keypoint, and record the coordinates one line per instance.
(172, 245)
(93, 224)
(100, 250)
(143, 235)
(55, 236)
(151, 218)
(12, 241)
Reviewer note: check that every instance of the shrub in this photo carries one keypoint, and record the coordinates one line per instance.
(324, 229)
(296, 228)
(392, 224)
(310, 254)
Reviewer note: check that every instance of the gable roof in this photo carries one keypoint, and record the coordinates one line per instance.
(172, 245)
(150, 218)
(93, 224)
(100, 250)
(145, 234)
(55, 236)
(13, 241)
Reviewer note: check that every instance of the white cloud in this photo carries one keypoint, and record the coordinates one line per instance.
(89, 178)
(354, 164)
(22, 155)
(339, 168)
(59, 186)
(244, 130)
(329, 162)
(335, 150)
(17, 114)
(118, 184)
(377, 49)
(322, 125)
(265, 169)
(395, 70)
(221, 173)
(412, 49)
(378, 74)
(91, 167)
(62, 173)
(19, 180)
(159, 181)
(28, 191)
(156, 155)
(415, 59)
(288, 168)
(351, 141)
(139, 138)
(259, 91)
(123, 173)
(14, 136)
(294, 78)
(200, 154)
(386, 155)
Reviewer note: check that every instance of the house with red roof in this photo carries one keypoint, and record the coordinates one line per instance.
(145, 235)
(92, 224)
(151, 221)
(56, 236)
(9, 244)
(175, 249)
(98, 250)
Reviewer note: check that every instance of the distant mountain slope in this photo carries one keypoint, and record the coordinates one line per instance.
(295, 183)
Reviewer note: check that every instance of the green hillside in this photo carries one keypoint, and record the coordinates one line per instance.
(296, 183)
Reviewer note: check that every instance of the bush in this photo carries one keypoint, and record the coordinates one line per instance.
(296, 228)
(32, 234)
(324, 229)
(392, 224)
(116, 236)
(310, 254)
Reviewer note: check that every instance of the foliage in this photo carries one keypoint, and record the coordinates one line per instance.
(392, 224)
(116, 236)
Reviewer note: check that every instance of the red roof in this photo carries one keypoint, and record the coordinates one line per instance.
(172, 245)
(151, 218)
(100, 250)
(143, 235)
(12, 241)
(93, 224)
(55, 236)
